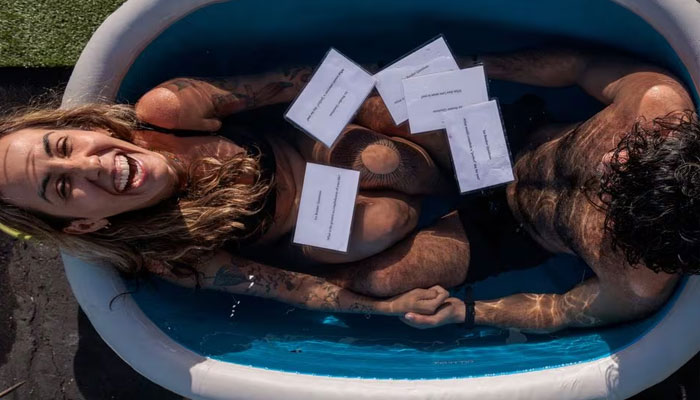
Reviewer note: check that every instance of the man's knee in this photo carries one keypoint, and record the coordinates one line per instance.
(388, 219)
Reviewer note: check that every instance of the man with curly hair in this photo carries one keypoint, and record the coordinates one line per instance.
(620, 190)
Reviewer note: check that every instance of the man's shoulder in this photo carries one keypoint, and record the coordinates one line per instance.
(637, 283)
(655, 95)
(662, 99)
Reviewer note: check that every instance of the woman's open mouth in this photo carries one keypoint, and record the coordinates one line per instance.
(128, 173)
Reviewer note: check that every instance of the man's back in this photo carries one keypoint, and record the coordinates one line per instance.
(576, 192)
(555, 194)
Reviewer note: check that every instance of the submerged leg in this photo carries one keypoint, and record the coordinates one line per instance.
(380, 220)
(438, 255)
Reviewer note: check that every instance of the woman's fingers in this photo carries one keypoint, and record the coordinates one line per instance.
(430, 299)
(438, 293)
(428, 321)
(420, 301)
(434, 292)
(452, 310)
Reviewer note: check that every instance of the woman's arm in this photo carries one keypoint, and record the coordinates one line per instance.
(200, 103)
(240, 276)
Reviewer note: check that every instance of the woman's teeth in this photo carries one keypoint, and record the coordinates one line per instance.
(129, 173)
(122, 176)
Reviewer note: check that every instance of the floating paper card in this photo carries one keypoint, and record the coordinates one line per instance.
(331, 98)
(478, 146)
(432, 58)
(429, 96)
(326, 207)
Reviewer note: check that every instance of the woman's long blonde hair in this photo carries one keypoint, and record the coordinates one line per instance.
(179, 232)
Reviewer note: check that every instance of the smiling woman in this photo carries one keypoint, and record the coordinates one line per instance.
(82, 174)
(75, 169)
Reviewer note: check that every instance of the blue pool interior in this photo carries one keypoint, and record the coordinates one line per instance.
(247, 36)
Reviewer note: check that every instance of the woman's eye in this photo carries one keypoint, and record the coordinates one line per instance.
(63, 146)
(63, 187)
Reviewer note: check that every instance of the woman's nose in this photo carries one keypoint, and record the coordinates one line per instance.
(90, 167)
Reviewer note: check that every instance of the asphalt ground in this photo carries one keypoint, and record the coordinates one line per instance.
(48, 343)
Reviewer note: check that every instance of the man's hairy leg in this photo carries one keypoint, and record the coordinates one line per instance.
(438, 255)
(381, 219)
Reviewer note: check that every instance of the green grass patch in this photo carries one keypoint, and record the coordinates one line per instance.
(48, 33)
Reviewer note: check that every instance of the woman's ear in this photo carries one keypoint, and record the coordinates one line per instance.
(81, 226)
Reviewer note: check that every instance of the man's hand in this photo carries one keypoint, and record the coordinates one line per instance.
(420, 301)
(452, 311)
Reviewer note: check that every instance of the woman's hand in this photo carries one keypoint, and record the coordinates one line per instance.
(451, 311)
(420, 301)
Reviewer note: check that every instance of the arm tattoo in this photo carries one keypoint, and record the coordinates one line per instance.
(326, 297)
(228, 275)
(306, 291)
(240, 95)
(181, 84)
(250, 98)
(303, 73)
(272, 281)
(361, 308)
(240, 271)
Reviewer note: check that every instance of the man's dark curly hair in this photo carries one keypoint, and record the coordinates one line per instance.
(651, 194)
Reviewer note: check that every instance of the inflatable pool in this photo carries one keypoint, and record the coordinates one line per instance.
(191, 345)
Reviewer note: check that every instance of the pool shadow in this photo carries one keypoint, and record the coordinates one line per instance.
(101, 374)
(649, 362)
(682, 384)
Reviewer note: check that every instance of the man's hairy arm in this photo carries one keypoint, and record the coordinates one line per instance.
(200, 103)
(237, 275)
(589, 304)
(605, 77)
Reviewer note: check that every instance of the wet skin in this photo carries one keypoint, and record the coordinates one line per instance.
(78, 174)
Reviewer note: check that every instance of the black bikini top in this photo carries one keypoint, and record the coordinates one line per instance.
(256, 146)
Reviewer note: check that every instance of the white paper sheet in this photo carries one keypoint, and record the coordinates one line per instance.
(331, 98)
(326, 207)
(429, 96)
(432, 58)
(478, 146)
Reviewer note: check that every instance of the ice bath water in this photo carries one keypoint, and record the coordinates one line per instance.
(272, 335)
(247, 36)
